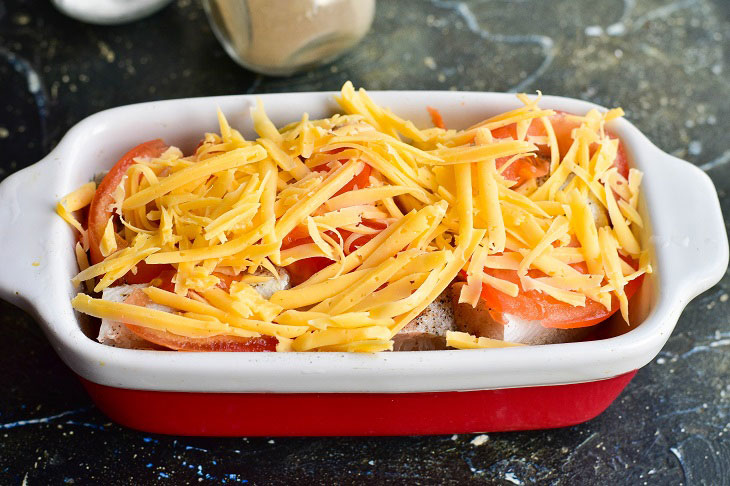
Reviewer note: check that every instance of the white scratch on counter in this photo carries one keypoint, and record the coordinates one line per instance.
(705, 347)
(510, 476)
(721, 160)
(255, 84)
(661, 12)
(695, 147)
(193, 448)
(626, 25)
(577, 449)
(680, 459)
(545, 42)
(41, 420)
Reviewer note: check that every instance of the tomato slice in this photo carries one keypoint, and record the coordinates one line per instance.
(213, 343)
(522, 170)
(563, 127)
(145, 273)
(182, 343)
(163, 280)
(436, 118)
(301, 270)
(99, 210)
(361, 180)
(533, 305)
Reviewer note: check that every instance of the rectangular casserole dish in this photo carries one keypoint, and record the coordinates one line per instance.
(349, 394)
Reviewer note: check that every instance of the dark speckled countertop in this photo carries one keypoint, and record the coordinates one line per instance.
(664, 61)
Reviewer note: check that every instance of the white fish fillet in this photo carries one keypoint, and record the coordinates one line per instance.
(116, 334)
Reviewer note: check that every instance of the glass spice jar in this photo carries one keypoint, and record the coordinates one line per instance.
(281, 37)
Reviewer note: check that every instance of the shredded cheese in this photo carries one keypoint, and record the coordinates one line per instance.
(462, 340)
(392, 213)
(78, 199)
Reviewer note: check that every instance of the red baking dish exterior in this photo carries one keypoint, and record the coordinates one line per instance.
(357, 414)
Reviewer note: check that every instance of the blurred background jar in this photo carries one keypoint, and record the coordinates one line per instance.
(109, 12)
(281, 37)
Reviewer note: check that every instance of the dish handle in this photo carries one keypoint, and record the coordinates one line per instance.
(689, 229)
(26, 212)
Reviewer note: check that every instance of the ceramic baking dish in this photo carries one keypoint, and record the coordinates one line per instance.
(337, 393)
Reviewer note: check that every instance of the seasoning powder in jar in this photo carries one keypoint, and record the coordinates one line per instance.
(280, 37)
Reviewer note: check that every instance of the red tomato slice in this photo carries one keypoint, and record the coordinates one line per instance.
(436, 118)
(301, 270)
(99, 210)
(563, 126)
(534, 305)
(622, 162)
(214, 343)
(145, 273)
(163, 280)
(537, 306)
(182, 343)
(298, 236)
(361, 180)
(522, 170)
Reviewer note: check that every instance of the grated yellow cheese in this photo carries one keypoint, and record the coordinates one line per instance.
(78, 199)
(437, 206)
(305, 206)
(462, 340)
(155, 319)
(330, 337)
(108, 243)
(612, 268)
(585, 230)
(195, 173)
(625, 237)
(82, 260)
(370, 281)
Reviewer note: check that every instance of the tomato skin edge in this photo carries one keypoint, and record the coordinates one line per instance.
(563, 127)
(207, 344)
(99, 212)
(630, 289)
(181, 343)
(535, 306)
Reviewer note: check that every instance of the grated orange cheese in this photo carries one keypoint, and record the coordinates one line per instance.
(78, 199)
(436, 204)
(462, 340)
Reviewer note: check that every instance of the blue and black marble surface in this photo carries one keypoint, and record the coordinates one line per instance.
(664, 61)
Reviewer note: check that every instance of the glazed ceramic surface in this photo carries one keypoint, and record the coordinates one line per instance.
(685, 232)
